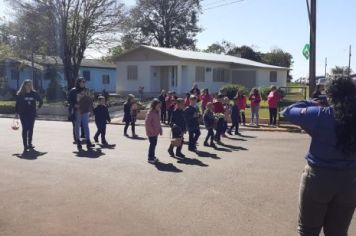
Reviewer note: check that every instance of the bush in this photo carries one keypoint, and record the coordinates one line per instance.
(7, 109)
(231, 90)
(54, 91)
(264, 91)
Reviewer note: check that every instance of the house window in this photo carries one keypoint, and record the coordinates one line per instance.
(15, 75)
(86, 75)
(200, 74)
(106, 79)
(221, 75)
(273, 76)
(132, 72)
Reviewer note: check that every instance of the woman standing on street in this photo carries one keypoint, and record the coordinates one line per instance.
(328, 185)
(128, 119)
(26, 100)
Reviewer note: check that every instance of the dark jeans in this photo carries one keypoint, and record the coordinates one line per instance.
(170, 112)
(81, 130)
(327, 200)
(101, 131)
(242, 117)
(210, 136)
(27, 122)
(193, 138)
(272, 116)
(236, 126)
(152, 148)
(127, 124)
(220, 128)
(163, 115)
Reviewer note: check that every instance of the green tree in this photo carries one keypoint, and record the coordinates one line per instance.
(278, 57)
(76, 25)
(220, 48)
(168, 23)
(245, 52)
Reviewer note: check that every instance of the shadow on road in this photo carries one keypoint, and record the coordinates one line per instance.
(169, 167)
(30, 155)
(207, 154)
(235, 148)
(190, 161)
(109, 146)
(222, 149)
(136, 138)
(247, 136)
(236, 139)
(91, 153)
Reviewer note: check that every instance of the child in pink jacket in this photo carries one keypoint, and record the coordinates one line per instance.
(273, 99)
(153, 129)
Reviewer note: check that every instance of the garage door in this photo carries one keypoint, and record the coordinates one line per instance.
(246, 78)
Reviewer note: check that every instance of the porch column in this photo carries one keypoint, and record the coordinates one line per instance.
(179, 79)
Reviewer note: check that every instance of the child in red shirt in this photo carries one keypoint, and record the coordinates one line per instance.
(273, 99)
(255, 99)
(241, 104)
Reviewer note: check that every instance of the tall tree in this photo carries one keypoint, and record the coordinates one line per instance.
(220, 48)
(278, 57)
(245, 52)
(168, 23)
(76, 25)
(340, 71)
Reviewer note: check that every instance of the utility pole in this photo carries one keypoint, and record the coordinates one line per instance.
(349, 72)
(312, 60)
(326, 65)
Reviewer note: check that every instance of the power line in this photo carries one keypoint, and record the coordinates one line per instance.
(223, 5)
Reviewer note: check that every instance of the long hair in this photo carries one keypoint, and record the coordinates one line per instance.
(22, 89)
(254, 91)
(154, 103)
(341, 92)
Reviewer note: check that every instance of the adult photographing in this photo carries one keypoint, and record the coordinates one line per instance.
(328, 184)
(26, 101)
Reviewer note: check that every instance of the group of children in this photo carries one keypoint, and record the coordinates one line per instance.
(186, 115)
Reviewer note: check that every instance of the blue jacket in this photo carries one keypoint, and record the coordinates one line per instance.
(319, 123)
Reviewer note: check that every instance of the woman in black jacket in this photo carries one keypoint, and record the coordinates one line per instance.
(26, 101)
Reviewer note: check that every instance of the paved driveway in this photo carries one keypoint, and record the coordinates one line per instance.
(248, 187)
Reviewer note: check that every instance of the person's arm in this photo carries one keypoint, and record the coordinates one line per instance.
(108, 118)
(39, 99)
(304, 114)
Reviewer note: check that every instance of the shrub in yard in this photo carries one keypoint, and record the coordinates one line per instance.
(7, 109)
(264, 91)
(231, 90)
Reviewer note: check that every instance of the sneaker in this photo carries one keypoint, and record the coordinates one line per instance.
(230, 133)
(213, 145)
(206, 144)
(105, 143)
(153, 161)
(238, 133)
(134, 136)
(79, 146)
(192, 149)
(126, 135)
(90, 145)
(31, 146)
(96, 139)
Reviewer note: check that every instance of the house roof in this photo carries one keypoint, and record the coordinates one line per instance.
(93, 63)
(25, 62)
(211, 57)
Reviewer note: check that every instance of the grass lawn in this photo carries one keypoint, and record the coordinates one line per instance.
(7, 103)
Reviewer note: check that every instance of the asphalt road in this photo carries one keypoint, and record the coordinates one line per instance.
(248, 187)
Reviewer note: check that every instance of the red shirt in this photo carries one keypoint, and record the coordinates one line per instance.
(241, 102)
(255, 100)
(273, 99)
(205, 99)
(218, 107)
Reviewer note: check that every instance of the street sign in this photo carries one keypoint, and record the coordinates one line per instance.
(306, 51)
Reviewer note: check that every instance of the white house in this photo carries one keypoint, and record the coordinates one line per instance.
(157, 68)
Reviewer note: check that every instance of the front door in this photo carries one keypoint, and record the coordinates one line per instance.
(164, 78)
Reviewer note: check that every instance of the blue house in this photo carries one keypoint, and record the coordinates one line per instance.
(98, 74)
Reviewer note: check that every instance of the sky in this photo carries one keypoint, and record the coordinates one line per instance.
(267, 24)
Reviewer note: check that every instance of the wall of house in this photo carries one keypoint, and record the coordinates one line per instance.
(145, 75)
(189, 78)
(96, 79)
(95, 83)
(263, 78)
